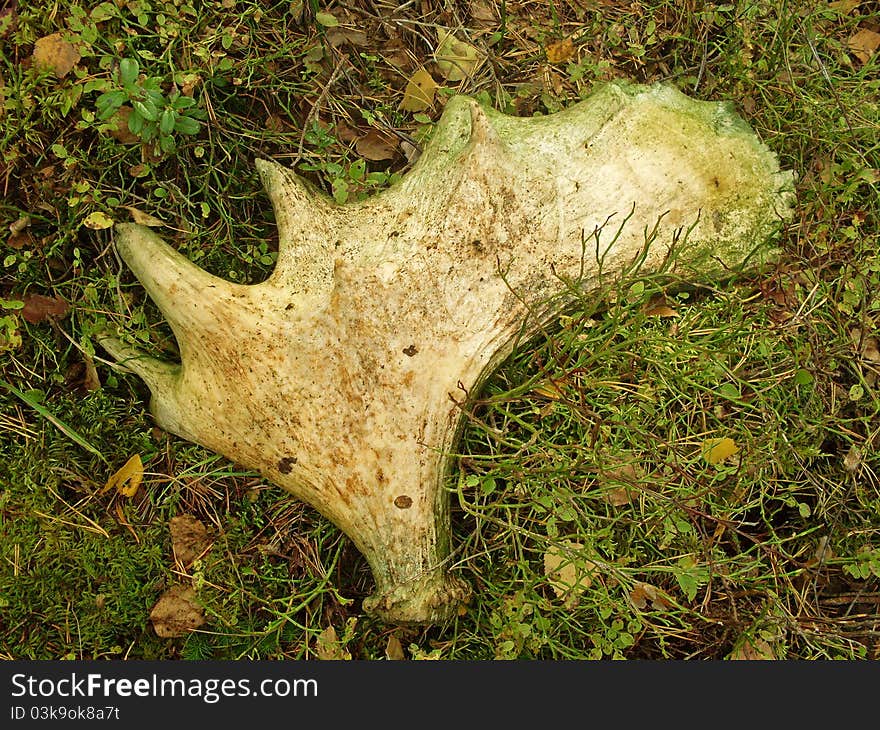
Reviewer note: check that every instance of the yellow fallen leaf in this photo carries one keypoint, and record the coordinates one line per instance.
(717, 450)
(560, 51)
(97, 221)
(144, 219)
(419, 92)
(53, 53)
(128, 478)
(456, 60)
(567, 572)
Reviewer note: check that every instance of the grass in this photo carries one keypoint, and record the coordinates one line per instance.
(591, 446)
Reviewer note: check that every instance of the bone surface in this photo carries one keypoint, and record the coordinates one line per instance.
(342, 377)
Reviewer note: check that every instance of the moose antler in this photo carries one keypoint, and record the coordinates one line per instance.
(341, 377)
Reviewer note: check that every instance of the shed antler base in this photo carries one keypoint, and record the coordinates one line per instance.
(340, 377)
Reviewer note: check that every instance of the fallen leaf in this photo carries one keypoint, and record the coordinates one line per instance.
(717, 450)
(868, 347)
(456, 60)
(53, 53)
(127, 479)
(568, 574)
(337, 37)
(144, 219)
(38, 308)
(853, 459)
(844, 7)
(97, 221)
(752, 650)
(177, 612)
(644, 593)
(375, 145)
(419, 92)
(328, 646)
(189, 538)
(863, 44)
(618, 496)
(393, 649)
(561, 51)
(617, 483)
(117, 126)
(483, 13)
(83, 375)
(346, 133)
(660, 310)
(19, 224)
(91, 380)
(328, 20)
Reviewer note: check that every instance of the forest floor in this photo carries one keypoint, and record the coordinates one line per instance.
(599, 441)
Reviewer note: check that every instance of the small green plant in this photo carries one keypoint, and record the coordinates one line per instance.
(10, 337)
(152, 115)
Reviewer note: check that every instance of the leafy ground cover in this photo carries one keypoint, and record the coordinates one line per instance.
(671, 472)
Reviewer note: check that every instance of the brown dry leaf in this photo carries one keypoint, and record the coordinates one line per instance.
(568, 574)
(868, 347)
(853, 459)
(91, 379)
(394, 649)
(189, 538)
(618, 496)
(38, 308)
(561, 51)
(752, 650)
(863, 44)
(329, 648)
(375, 145)
(177, 612)
(644, 593)
(483, 13)
(419, 92)
(615, 482)
(53, 53)
(82, 376)
(128, 479)
(844, 7)
(18, 241)
(456, 60)
(144, 219)
(660, 310)
(717, 450)
(117, 126)
(337, 37)
(346, 133)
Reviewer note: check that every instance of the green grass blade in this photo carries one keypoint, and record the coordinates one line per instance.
(54, 420)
